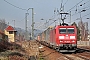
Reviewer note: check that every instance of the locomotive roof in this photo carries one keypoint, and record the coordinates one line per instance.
(64, 26)
(53, 27)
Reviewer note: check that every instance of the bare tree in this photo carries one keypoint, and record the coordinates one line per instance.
(2, 24)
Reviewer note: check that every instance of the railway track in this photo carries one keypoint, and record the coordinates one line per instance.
(85, 55)
(72, 57)
(65, 56)
(78, 55)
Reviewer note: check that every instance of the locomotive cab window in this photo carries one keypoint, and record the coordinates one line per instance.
(70, 30)
(62, 30)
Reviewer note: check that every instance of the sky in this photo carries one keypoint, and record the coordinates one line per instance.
(11, 10)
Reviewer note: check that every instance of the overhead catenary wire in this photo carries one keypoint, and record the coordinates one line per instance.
(85, 15)
(14, 5)
(86, 2)
(62, 7)
(65, 3)
(81, 4)
(71, 8)
(80, 11)
(86, 8)
(82, 17)
(75, 5)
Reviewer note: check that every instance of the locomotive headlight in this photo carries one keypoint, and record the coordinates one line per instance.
(73, 41)
(72, 37)
(61, 41)
(61, 37)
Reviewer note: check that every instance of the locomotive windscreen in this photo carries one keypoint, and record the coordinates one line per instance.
(70, 30)
(66, 30)
(62, 30)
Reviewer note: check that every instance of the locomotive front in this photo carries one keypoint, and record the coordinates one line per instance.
(66, 37)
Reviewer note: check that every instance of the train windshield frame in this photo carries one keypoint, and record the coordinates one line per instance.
(70, 30)
(66, 30)
(62, 30)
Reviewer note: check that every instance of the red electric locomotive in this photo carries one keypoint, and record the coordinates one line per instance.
(64, 38)
(60, 38)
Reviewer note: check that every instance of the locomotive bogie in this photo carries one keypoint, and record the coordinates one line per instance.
(68, 46)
